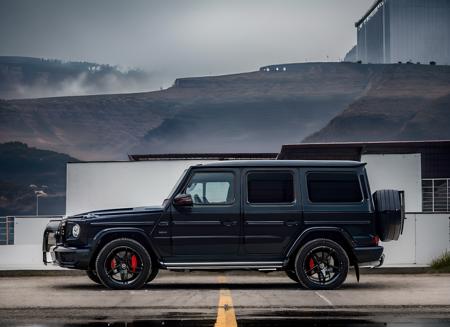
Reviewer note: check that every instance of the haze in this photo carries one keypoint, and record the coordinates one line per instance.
(173, 39)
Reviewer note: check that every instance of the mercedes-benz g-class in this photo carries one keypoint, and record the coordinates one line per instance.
(311, 219)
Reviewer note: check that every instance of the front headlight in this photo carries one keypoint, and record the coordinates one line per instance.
(76, 230)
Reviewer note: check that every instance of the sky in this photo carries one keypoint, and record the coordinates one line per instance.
(181, 38)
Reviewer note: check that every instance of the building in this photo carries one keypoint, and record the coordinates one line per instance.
(393, 31)
(421, 169)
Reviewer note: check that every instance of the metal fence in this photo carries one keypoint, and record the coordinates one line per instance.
(435, 195)
(6, 230)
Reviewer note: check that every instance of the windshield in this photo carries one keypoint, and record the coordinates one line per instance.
(175, 187)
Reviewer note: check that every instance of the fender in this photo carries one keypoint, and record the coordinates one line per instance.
(123, 231)
(310, 230)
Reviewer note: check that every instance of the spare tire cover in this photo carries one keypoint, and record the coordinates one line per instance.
(389, 215)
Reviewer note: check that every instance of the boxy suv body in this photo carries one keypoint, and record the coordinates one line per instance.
(312, 219)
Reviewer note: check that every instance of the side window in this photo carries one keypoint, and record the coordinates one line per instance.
(270, 187)
(333, 187)
(211, 188)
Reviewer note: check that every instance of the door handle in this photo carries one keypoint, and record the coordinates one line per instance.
(291, 223)
(229, 223)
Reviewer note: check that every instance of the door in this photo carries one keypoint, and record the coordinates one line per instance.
(338, 198)
(272, 211)
(209, 229)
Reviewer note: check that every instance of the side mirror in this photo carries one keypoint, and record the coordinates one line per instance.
(183, 200)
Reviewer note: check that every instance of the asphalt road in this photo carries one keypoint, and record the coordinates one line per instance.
(224, 299)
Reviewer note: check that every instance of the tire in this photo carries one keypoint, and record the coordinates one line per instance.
(292, 275)
(93, 276)
(153, 274)
(123, 264)
(389, 214)
(323, 253)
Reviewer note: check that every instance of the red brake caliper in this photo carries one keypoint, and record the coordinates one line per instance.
(134, 263)
(113, 263)
(311, 264)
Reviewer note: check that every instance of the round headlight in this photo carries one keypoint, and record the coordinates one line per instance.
(76, 230)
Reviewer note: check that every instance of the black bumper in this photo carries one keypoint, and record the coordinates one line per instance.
(64, 256)
(69, 257)
(369, 255)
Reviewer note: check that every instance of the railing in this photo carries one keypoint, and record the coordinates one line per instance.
(6, 230)
(435, 194)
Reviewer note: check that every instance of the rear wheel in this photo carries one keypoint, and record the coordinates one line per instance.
(123, 264)
(322, 264)
(292, 275)
(93, 276)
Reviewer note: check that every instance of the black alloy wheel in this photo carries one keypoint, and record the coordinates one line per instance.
(322, 264)
(92, 274)
(123, 264)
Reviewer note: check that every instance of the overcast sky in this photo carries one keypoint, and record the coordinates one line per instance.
(181, 38)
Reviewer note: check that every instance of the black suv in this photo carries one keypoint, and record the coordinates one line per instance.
(312, 219)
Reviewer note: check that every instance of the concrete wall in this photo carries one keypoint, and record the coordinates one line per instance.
(26, 253)
(397, 171)
(425, 237)
(108, 185)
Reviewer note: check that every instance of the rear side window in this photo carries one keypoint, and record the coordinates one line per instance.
(270, 187)
(333, 187)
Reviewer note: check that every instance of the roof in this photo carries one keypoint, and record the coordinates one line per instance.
(367, 14)
(354, 150)
(284, 163)
(201, 156)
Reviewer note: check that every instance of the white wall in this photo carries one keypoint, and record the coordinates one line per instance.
(425, 237)
(26, 253)
(397, 171)
(108, 185)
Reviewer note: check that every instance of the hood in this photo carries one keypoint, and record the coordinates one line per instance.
(118, 212)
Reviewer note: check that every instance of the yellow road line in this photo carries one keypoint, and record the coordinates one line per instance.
(225, 311)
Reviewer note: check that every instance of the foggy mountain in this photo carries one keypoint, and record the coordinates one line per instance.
(26, 77)
(403, 102)
(248, 112)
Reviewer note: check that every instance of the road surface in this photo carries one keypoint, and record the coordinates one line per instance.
(225, 299)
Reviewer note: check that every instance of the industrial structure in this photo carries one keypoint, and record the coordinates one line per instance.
(393, 31)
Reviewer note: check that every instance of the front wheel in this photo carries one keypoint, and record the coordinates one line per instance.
(322, 264)
(92, 274)
(123, 264)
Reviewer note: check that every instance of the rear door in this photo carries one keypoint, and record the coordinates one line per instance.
(271, 211)
(337, 197)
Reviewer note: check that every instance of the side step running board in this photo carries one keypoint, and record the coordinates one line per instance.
(270, 265)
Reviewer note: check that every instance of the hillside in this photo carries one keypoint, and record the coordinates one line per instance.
(27, 77)
(21, 167)
(405, 102)
(248, 112)
(254, 111)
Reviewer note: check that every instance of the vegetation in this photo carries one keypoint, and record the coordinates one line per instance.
(442, 263)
